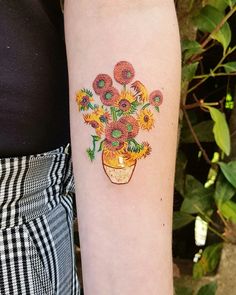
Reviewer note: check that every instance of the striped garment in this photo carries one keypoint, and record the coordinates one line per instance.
(36, 233)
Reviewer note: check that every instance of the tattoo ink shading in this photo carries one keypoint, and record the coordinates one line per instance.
(123, 113)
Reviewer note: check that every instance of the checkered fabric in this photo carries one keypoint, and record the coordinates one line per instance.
(36, 233)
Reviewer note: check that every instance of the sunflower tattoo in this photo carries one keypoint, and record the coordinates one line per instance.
(118, 120)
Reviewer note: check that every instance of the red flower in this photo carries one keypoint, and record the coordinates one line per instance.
(156, 98)
(124, 72)
(116, 132)
(109, 96)
(114, 145)
(131, 125)
(101, 82)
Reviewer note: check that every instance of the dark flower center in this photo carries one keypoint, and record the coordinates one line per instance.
(108, 95)
(94, 124)
(85, 100)
(115, 143)
(124, 104)
(129, 127)
(157, 99)
(116, 133)
(103, 119)
(146, 118)
(126, 74)
(101, 83)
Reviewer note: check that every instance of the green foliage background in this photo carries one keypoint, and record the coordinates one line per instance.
(207, 26)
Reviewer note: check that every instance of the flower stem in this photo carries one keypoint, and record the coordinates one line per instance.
(219, 65)
(145, 106)
(113, 113)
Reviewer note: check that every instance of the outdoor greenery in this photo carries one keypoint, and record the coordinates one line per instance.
(208, 122)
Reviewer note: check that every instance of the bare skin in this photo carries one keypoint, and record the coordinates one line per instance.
(125, 230)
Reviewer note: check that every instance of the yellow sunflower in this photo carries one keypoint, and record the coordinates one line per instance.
(94, 121)
(114, 158)
(103, 115)
(140, 91)
(84, 98)
(132, 156)
(125, 100)
(146, 119)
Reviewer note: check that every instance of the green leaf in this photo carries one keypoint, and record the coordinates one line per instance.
(230, 67)
(90, 154)
(220, 129)
(180, 219)
(220, 5)
(228, 210)
(207, 21)
(209, 261)
(203, 131)
(208, 18)
(230, 2)
(196, 197)
(224, 191)
(223, 36)
(229, 171)
(183, 291)
(190, 48)
(209, 289)
(96, 138)
(188, 71)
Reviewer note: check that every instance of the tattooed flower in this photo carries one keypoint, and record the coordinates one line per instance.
(101, 82)
(140, 91)
(109, 96)
(124, 72)
(116, 132)
(113, 145)
(131, 125)
(93, 120)
(145, 119)
(125, 101)
(156, 98)
(143, 152)
(103, 115)
(84, 98)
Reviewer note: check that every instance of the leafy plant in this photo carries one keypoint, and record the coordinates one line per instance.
(206, 121)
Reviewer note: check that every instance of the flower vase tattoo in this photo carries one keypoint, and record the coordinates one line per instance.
(117, 121)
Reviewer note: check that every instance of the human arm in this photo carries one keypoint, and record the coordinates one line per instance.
(125, 230)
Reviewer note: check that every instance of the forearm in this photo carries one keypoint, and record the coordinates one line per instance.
(125, 230)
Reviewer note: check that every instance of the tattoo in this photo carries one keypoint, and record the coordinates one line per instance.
(122, 114)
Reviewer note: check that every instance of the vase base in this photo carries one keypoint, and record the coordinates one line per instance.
(119, 175)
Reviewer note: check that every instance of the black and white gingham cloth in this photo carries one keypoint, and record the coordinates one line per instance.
(36, 233)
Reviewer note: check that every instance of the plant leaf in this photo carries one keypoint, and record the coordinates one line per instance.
(230, 2)
(209, 289)
(229, 171)
(189, 48)
(196, 197)
(208, 19)
(209, 261)
(183, 291)
(203, 131)
(224, 191)
(228, 210)
(188, 71)
(230, 67)
(220, 5)
(180, 219)
(220, 129)
(223, 36)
